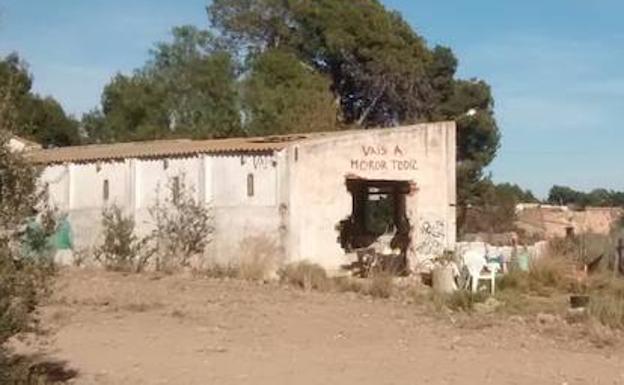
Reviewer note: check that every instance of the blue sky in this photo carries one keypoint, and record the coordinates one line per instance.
(556, 68)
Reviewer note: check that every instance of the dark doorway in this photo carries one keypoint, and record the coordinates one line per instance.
(378, 219)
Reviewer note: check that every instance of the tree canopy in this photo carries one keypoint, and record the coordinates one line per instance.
(187, 88)
(282, 66)
(563, 195)
(41, 119)
(281, 95)
(382, 72)
(493, 208)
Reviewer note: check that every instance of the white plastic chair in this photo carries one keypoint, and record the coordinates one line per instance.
(476, 263)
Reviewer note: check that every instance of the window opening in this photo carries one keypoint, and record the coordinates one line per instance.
(105, 190)
(250, 185)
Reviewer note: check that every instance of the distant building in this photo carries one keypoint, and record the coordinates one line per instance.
(548, 221)
(317, 196)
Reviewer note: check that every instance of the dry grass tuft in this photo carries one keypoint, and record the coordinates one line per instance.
(218, 271)
(309, 276)
(608, 309)
(381, 285)
(306, 276)
(546, 276)
(607, 300)
(461, 300)
(550, 273)
(258, 258)
(141, 307)
(349, 285)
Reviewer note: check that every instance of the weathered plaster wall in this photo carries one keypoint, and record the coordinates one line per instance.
(423, 154)
(135, 185)
(299, 194)
(237, 214)
(548, 222)
(78, 191)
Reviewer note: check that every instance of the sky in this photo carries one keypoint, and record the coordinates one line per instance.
(556, 68)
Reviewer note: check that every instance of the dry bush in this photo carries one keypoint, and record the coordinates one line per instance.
(462, 300)
(31, 370)
(550, 273)
(306, 276)
(601, 336)
(583, 248)
(541, 289)
(121, 249)
(381, 285)
(259, 258)
(349, 285)
(608, 310)
(606, 283)
(546, 276)
(183, 226)
(592, 246)
(607, 300)
(563, 247)
(514, 280)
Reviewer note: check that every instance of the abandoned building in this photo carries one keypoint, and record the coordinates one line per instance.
(319, 197)
(547, 222)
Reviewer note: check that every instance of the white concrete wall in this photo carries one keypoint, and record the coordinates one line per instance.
(424, 154)
(299, 194)
(153, 178)
(150, 183)
(78, 190)
(238, 215)
(219, 181)
(56, 178)
(230, 173)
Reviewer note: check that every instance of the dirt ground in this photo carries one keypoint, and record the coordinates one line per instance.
(116, 329)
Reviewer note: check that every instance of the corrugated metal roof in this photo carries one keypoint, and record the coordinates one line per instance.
(188, 147)
(161, 148)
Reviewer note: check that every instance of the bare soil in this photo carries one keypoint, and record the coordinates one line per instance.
(116, 329)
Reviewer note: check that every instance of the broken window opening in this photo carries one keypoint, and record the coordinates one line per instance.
(378, 230)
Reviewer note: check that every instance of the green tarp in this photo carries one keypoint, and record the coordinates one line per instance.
(62, 239)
